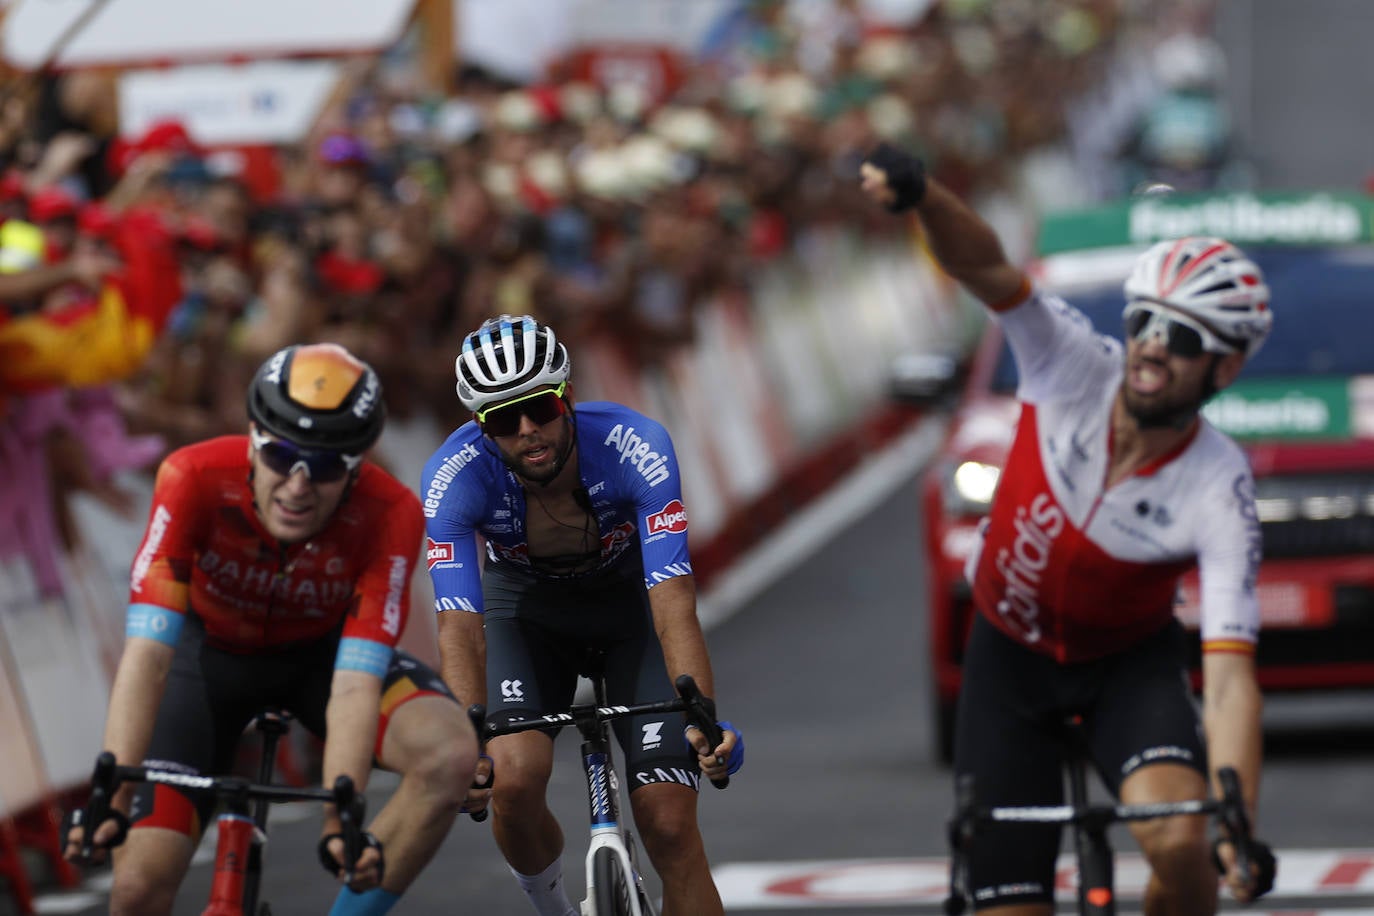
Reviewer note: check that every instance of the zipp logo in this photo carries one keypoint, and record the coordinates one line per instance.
(652, 738)
(512, 691)
(671, 519)
(437, 552)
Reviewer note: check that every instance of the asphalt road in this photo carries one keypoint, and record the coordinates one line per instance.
(840, 806)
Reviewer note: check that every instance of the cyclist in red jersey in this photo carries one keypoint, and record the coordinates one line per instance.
(1115, 486)
(275, 572)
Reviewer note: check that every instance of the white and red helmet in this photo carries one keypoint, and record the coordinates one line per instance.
(1210, 280)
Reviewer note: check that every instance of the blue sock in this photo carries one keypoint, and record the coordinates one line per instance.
(375, 902)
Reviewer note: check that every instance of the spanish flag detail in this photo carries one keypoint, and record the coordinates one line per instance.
(106, 337)
(1236, 646)
(89, 345)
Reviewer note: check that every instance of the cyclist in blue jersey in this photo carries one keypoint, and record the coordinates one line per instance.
(586, 569)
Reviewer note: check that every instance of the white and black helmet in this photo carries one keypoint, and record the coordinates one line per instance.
(1208, 279)
(506, 357)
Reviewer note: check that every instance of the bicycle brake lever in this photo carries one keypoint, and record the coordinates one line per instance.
(98, 805)
(1234, 818)
(350, 806)
(477, 714)
(702, 716)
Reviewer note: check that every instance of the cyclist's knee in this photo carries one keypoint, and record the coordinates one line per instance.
(668, 827)
(1174, 846)
(444, 771)
(520, 783)
(141, 888)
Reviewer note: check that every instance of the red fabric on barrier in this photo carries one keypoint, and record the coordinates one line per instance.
(12, 868)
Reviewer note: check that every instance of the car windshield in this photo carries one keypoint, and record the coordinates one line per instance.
(1323, 314)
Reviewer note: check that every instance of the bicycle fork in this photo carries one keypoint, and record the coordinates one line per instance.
(606, 831)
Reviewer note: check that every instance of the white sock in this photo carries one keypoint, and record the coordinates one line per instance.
(545, 891)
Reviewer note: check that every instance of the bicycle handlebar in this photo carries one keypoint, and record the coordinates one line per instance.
(107, 777)
(689, 700)
(1229, 810)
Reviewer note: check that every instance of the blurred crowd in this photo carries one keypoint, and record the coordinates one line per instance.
(142, 279)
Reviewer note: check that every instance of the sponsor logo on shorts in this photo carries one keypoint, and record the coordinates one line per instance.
(679, 775)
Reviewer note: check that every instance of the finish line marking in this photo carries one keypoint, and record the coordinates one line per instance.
(1340, 876)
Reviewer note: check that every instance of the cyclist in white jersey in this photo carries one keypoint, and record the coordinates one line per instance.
(1115, 486)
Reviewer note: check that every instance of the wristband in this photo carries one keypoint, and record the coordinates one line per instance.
(906, 176)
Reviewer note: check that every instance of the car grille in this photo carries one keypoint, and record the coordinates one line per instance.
(1316, 515)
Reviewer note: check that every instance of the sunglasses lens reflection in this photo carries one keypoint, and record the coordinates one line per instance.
(505, 421)
(1179, 339)
(323, 467)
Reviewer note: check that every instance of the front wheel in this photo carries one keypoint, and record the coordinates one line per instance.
(611, 887)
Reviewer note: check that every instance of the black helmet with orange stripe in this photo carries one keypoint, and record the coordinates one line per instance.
(318, 396)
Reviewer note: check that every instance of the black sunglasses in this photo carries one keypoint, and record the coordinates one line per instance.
(321, 466)
(541, 407)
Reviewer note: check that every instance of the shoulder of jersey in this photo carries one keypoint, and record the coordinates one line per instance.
(377, 480)
(598, 416)
(1220, 445)
(220, 453)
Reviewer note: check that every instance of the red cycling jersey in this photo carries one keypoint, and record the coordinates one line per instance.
(205, 551)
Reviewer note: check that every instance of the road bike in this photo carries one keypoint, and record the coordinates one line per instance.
(615, 884)
(1089, 822)
(241, 827)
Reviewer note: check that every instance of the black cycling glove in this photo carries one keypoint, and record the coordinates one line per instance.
(332, 865)
(1261, 855)
(906, 176)
(76, 818)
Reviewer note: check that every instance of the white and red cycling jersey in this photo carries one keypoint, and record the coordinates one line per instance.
(1076, 570)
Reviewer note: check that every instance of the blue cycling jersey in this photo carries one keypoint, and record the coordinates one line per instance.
(627, 467)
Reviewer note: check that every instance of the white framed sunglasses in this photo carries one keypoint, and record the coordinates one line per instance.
(1181, 335)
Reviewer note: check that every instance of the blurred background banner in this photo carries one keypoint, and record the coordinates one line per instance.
(129, 33)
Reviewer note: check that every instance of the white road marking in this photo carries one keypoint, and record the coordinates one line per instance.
(1334, 875)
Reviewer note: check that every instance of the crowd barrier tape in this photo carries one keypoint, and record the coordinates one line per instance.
(755, 403)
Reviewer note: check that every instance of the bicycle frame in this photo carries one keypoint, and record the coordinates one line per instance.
(607, 831)
(603, 807)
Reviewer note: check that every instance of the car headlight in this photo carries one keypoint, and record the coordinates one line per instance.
(969, 487)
